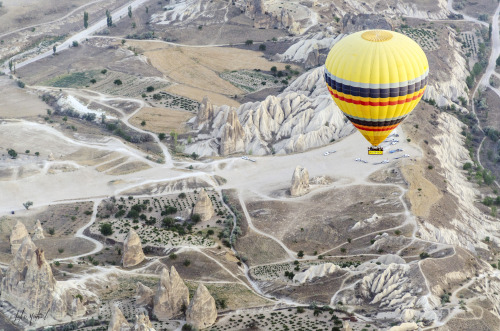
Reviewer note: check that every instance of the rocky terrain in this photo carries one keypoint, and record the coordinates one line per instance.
(180, 165)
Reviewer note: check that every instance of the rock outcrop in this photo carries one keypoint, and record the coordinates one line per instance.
(303, 116)
(354, 23)
(144, 295)
(172, 295)
(300, 182)
(118, 321)
(38, 234)
(232, 138)
(142, 323)
(202, 311)
(17, 236)
(203, 206)
(29, 284)
(315, 271)
(405, 327)
(132, 250)
(347, 326)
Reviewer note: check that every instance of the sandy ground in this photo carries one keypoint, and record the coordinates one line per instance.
(20, 102)
(160, 120)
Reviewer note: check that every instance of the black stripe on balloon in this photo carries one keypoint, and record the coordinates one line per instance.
(374, 123)
(375, 93)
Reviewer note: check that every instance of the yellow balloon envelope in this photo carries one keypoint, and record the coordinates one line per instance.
(376, 77)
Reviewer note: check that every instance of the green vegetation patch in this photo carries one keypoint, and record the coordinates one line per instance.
(75, 79)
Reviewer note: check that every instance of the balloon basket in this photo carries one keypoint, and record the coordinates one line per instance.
(375, 150)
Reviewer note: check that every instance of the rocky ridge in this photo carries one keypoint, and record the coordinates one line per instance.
(316, 271)
(144, 295)
(302, 117)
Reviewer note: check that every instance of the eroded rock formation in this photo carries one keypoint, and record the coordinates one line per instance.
(142, 323)
(202, 311)
(38, 234)
(29, 284)
(301, 117)
(204, 206)
(132, 250)
(172, 295)
(144, 295)
(314, 272)
(354, 23)
(118, 321)
(300, 182)
(232, 138)
(17, 236)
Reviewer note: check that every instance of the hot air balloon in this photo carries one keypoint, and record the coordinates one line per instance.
(376, 77)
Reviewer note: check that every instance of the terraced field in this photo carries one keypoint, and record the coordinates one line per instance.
(251, 81)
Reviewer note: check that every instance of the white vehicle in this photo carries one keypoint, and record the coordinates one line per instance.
(394, 143)
(326, 154)
(382, 162)
(358, 159)
(364, 161)
(244, 157)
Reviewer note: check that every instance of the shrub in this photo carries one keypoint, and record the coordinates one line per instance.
(106, 229)
(150, 89)
(60, 250)
(117, 82)
(186, 262)
(20, 84)
(300, 254)
(75, 43)
(196, 218)
(424, 255)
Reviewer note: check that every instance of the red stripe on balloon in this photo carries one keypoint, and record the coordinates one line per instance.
(374, 104)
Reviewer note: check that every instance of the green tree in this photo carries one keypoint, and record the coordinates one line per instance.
(75, 43)
(85, 19)
(28, 204)
(161, 136)
(106, 229)
(262, 47)
(196, 218)
(10, 64)
(274, 69)
(12, 153)
(143, 123)
(117, 82)
(300, 254)
(249, 42)
(130, 11)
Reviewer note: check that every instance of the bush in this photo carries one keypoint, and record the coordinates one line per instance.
(75, 43)
(20, 84)
(150, 89)
(196, 218)
(12, 153)
(300, 254)
(173, 256)
(161, 136)
(186, 262)
(249, 42)
(467, 166)
(106, 229)
(60, 250)
(424, 255)
(262, 47)
(117, 82)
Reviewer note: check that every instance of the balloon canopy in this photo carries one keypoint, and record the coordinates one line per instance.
(376, 77)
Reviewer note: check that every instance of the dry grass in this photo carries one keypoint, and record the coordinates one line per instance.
(17, 102)
(199, 67)
(160, 120)
(111, 164)
(128, 168)
(422, 193)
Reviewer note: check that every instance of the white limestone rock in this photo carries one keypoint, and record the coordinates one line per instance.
(38, 234)
(142, 323)
(118, 321)
(315, 271)
(17, 236)
(301, 117)
(300, 182)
